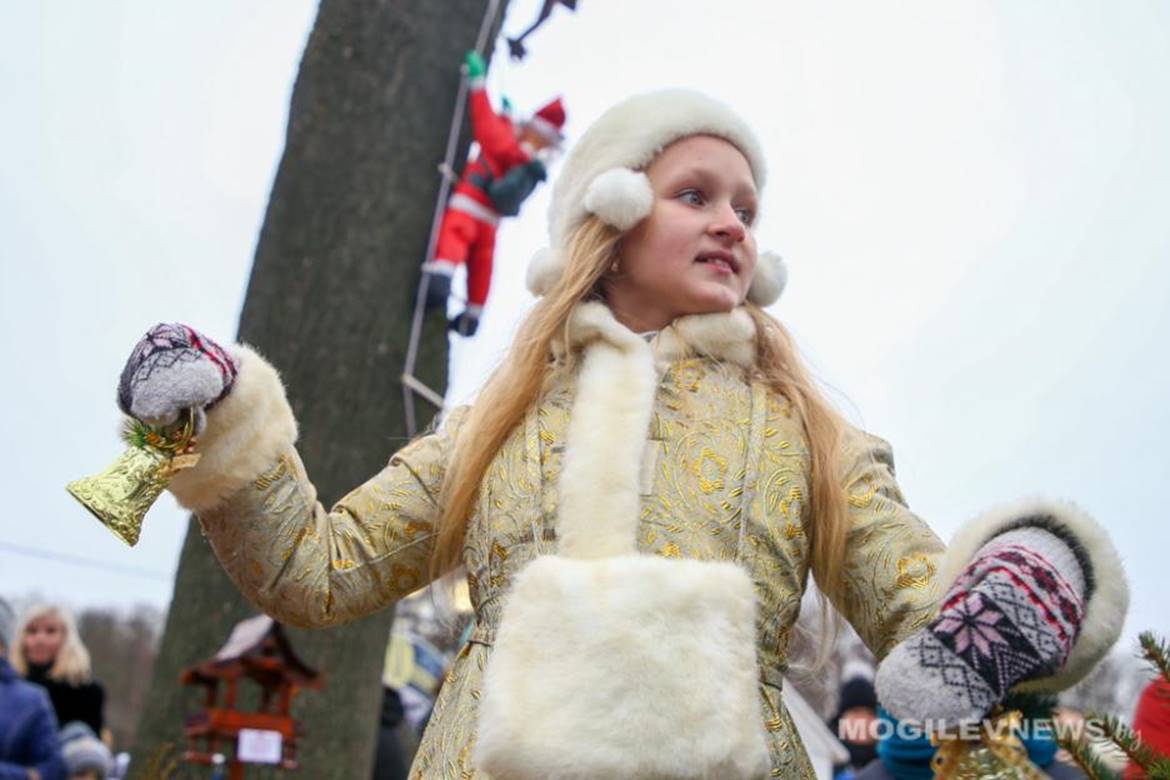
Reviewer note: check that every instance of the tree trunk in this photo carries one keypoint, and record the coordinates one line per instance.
(329, 303)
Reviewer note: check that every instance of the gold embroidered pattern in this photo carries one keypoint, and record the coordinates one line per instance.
(862, 498)
(710, 469)
(265, 481)
(914, 571)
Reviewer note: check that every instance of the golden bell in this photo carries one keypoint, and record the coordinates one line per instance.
(998, 754)
(121, 495)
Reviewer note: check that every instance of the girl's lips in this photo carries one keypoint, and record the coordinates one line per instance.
(720, 260)
(718, 266)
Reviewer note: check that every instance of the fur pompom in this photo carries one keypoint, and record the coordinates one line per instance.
(544, 271)
(620, 197)
(769, 281)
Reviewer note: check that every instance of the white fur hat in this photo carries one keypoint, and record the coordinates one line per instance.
(602, 175)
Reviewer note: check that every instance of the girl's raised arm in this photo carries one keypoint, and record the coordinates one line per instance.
(296, 561)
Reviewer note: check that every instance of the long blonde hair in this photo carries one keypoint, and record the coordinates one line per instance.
(72, 662)
(516, 385)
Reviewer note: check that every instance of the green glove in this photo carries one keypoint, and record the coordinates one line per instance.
(476, 67)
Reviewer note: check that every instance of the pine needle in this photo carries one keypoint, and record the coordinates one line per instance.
(1084, 756)
(1156, 652)
(1131, 744)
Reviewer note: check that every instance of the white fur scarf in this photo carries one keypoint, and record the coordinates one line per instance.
(611, 418)
(607, 434)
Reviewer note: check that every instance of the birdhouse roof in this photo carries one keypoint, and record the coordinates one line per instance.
(257, 646)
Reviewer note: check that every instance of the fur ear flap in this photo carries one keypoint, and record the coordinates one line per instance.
(544, 271)
(620, 197)
(769, 281)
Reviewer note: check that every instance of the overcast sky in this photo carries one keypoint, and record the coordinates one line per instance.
(972, 198)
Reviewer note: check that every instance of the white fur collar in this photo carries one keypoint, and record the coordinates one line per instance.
(727, 336)
(616, 385)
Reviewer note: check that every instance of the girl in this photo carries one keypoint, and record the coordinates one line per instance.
(654, 428)
(49, 652)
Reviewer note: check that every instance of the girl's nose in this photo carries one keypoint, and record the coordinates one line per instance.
(727, 224)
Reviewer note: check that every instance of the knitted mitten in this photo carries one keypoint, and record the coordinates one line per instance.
(1012, 615)
(173, 368)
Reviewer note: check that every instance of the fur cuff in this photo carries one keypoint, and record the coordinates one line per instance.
(1106, 591)
(246, 432)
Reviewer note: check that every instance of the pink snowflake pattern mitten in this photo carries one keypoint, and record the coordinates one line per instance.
(1012, 615)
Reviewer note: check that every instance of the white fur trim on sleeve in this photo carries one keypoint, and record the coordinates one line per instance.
(246, 432)
(1108, 594)
(620, 197)
(544, 271)
(769, 281)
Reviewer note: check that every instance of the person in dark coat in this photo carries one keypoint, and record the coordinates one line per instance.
(854, 722)
(395, 746)
(28, 729)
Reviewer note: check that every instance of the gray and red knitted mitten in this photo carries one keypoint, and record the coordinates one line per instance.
(175, 367)
(1012, 615)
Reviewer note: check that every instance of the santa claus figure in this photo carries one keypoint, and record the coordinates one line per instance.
(493, 185)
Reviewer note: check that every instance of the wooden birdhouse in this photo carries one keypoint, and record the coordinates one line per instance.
(257, 650)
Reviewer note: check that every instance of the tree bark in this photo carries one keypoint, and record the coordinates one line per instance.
(329, 302)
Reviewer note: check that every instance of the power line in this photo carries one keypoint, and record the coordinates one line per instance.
(77, 560)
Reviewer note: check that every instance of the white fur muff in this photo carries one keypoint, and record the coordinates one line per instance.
(630, 667)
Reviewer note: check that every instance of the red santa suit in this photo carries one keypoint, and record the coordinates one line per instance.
(468, 230)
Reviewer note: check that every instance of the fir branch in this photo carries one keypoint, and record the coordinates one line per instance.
(1156, 652)
(1160, 770)
(1083, 755)
(1031, 706)
(1130, 743)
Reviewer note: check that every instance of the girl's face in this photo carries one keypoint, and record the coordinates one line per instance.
(43, 638)
(695, 253)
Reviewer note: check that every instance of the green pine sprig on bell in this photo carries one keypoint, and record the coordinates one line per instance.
(135, 432)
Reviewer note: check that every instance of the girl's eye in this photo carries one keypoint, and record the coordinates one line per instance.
(693, 197)
(745, 215)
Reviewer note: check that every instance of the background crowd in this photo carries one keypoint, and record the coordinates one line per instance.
(54, 724)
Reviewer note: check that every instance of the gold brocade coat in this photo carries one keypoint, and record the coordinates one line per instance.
(724, 477)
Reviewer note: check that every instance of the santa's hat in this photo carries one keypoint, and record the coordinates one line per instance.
(548, 121)
(603, 176)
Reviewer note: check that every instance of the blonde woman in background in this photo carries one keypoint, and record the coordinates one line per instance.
(48, 651)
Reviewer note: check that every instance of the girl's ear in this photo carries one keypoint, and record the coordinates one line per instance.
(770, 278)
(620, 197)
